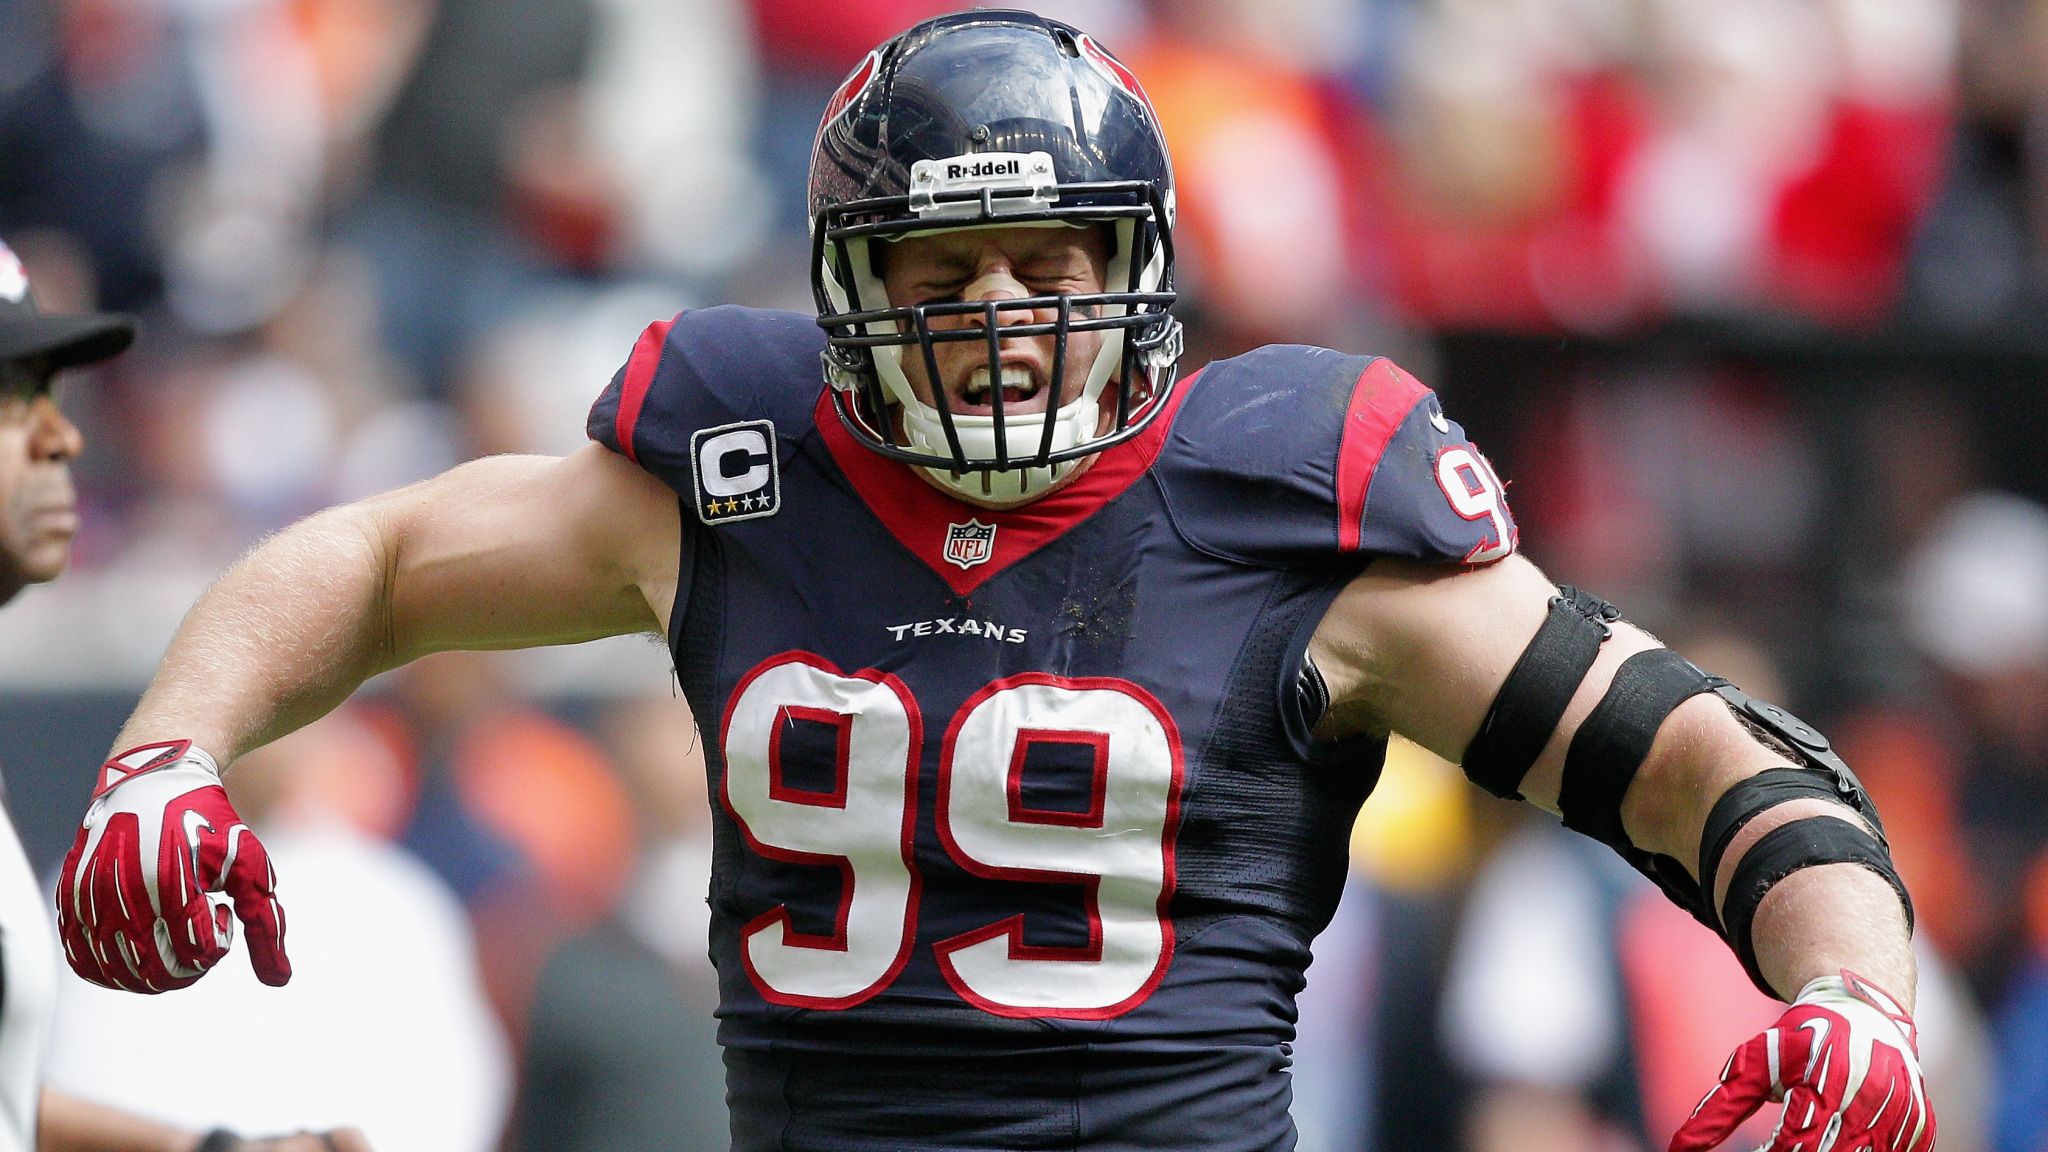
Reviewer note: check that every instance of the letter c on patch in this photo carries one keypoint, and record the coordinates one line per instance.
(714, 451)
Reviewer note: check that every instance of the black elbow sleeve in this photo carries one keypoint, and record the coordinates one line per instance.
(1616, 737)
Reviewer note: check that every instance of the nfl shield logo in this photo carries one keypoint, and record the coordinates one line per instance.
(970, 543)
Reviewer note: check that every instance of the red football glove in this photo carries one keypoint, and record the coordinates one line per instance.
(134, 903)
(1844, 1058)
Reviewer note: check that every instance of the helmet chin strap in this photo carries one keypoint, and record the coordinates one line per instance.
(1022, 435)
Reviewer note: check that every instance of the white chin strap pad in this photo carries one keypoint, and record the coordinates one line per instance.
(1022, 435)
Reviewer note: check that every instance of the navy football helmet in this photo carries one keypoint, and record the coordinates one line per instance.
(993, 119)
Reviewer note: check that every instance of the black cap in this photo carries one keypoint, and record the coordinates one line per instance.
(63, 341)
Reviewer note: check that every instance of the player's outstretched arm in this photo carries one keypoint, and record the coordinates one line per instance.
(499, 553)
(504, 552)
(1430, 653)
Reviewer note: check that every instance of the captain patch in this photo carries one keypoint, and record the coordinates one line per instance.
(734, 468)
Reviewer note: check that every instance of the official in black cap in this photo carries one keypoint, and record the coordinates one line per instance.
(38, 517)
(38, 508)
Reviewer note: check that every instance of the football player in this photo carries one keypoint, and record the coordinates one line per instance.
(1040, 686)
(38, 518)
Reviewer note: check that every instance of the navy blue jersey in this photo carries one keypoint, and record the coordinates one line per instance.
(1021, 837)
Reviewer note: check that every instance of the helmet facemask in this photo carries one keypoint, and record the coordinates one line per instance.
(1001, 458)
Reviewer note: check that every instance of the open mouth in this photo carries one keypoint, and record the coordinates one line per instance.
(1020, 387)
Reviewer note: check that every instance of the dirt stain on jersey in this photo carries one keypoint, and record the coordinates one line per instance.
(1101, 619)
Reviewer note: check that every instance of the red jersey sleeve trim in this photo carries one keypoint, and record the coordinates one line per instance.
(1380, 401)
(639, 378)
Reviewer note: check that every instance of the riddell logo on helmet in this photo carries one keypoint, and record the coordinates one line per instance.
(984, 169)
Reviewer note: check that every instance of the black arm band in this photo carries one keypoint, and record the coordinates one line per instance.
(1748, 799)
(1533, 698)
(1616, 736)
(1784, 850)
(218, 1140)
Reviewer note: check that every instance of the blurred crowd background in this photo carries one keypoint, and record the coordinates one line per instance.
(1746, 297)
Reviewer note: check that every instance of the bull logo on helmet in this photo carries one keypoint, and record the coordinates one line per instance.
(1123, 77)
(850, 90)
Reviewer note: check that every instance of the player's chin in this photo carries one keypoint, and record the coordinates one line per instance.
(46, 558)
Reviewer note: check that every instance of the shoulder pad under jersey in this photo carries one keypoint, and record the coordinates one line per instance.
(705, 370)
(1291, 454)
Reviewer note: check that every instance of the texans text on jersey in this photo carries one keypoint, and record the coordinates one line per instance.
(958, 626)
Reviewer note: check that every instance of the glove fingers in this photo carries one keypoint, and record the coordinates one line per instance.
(1807, 1125)
(98, 946)
(191, 938)
(1916, 1128)
(85, 962)
(78, 950)
(1889, 1107)
(1906, 1124)
(1745, 1084)
(175, 973)
(1925, 1120)
(110, 899)
(252, 884)
(130, 957)
(1883, 1106)
(195, 937)
(133, 942)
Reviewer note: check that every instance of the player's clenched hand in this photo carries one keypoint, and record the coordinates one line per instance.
(1843, 1059)
(134, 908)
